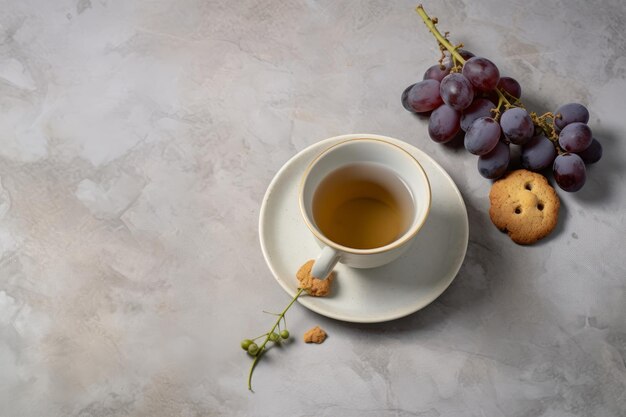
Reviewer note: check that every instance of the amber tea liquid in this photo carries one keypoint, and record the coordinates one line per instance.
(362, 206)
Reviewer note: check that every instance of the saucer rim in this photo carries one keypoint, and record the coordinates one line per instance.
(351, 318)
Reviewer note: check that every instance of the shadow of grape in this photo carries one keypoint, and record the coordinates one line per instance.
(425, 116)
(603, 177)
(457, 142)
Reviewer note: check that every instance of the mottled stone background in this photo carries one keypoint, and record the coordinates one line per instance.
(137, 139)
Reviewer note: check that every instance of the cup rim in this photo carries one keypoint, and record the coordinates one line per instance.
(406, 236)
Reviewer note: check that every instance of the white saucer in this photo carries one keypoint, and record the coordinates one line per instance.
(366, 295)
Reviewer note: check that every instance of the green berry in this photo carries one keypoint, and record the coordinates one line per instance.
(253, 349)
(274, 337)
(284, 334)
(245, 344)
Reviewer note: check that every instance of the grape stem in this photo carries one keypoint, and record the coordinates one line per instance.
(546, 123)
(431, 25)
(267, 338)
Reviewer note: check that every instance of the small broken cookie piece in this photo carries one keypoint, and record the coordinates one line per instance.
(524, 205)
(313, 286)
(315, 335)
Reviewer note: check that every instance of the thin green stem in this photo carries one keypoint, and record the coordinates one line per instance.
(514, 101)
(502, 99)
(269, 312)
(262, 347)
(442, 39)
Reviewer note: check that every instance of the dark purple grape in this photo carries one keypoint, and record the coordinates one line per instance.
(405, 99)
(436, 73)
(511, 86)
(424, 96)
(517, 125)
(480, 107)
(593, 153)
(538, 153)
(494, 164)
(482, 73)
(575, 137)
(443, 123)
(456, 91)
(569, 172)
(465, 54)
(482, 136)
(570, 113)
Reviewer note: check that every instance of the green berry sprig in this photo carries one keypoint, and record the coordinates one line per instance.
(275, 335)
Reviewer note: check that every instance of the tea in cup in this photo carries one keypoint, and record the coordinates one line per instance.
(364, 199)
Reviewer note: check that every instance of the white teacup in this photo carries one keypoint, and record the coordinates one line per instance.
(373, 219)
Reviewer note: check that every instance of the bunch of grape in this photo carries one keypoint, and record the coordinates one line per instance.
(466, 93)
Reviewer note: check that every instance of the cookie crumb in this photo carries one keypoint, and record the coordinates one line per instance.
(313, 286)
(315, 335)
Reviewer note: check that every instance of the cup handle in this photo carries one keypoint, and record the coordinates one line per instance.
(325, 263)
